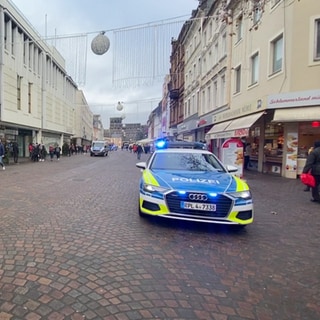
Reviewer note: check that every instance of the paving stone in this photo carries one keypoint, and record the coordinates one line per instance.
(83, 252)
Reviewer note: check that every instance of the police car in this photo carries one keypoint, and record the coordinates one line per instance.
(186, 182)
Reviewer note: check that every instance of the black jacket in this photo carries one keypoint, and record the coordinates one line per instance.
(313, 161)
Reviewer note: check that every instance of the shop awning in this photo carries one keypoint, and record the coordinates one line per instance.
(234, 128)
(244, 122)
(297, 114)
(217, 129)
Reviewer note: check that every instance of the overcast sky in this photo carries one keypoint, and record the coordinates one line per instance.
(73, 17)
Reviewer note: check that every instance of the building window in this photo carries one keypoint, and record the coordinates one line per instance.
(223, 90)
(7, 33)
(239, 28)
(277, 54)
(215, 94)
(29, 96)
(255, 68)
(317, 40)
(19, 80)
(208, 104)
(224, 44)
(256, 14)
(216, 52)
(237, 79)
(25, 50)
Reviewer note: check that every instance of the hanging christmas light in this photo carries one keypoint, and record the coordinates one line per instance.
(100, 44)
(119, 106)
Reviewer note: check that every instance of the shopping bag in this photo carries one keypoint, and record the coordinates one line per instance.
(308, 179)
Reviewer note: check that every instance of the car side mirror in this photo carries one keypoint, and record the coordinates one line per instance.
(141, 165)
(231, 168)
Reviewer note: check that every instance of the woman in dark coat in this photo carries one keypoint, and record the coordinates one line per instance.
(313, 164)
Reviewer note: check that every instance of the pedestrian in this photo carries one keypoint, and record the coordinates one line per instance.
(42, 152)
(308, 188)
(57, 151)
(31, 147)
(2, 153)
(51, 152)
(247, 154)
(313, 165)
(15, 150)
(139, 151)
(36, 152)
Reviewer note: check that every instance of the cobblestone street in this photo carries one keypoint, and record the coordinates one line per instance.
(73, 246)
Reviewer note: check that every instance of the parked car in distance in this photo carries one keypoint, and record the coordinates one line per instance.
(99, 148)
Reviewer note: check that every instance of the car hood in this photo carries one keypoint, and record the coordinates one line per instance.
(209, 181)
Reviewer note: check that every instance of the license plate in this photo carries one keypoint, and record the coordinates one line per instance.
(198, 206)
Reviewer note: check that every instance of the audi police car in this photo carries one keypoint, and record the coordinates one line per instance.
(192, 184)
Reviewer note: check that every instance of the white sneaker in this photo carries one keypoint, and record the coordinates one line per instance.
(3, 168)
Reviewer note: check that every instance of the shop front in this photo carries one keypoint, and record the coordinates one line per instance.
(237, 128)
(298, 116)
(20, 137)
(280, 134)
(187, 130)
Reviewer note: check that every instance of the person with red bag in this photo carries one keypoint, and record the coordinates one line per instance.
(313, 165)
(308, 188)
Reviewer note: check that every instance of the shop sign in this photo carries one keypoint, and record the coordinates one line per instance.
(11, 131)
(294, 99)
(234, 113)
(241, 132)
(232, 154)
(202, 122)
(221, 135)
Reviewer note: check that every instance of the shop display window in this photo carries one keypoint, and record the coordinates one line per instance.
(274, 140)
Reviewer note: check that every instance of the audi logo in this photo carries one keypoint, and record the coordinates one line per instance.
(198, 197)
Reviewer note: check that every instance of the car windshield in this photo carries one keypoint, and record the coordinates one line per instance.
(185, 161)
(98, 145)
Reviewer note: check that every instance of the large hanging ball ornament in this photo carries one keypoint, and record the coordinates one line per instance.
(100, 44)
(119, 106)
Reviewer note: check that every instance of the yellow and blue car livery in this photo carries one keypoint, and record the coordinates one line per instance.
(209, 196)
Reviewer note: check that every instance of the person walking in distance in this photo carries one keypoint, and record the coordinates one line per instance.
(57, 151)
(2, 152)
(15, 149)
(139, 151)
(313, 164)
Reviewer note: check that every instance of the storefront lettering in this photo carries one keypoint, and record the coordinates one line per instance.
(241, 132)
(294, 99)
(235, 113)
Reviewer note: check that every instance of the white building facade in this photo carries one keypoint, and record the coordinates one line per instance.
(37, 97)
